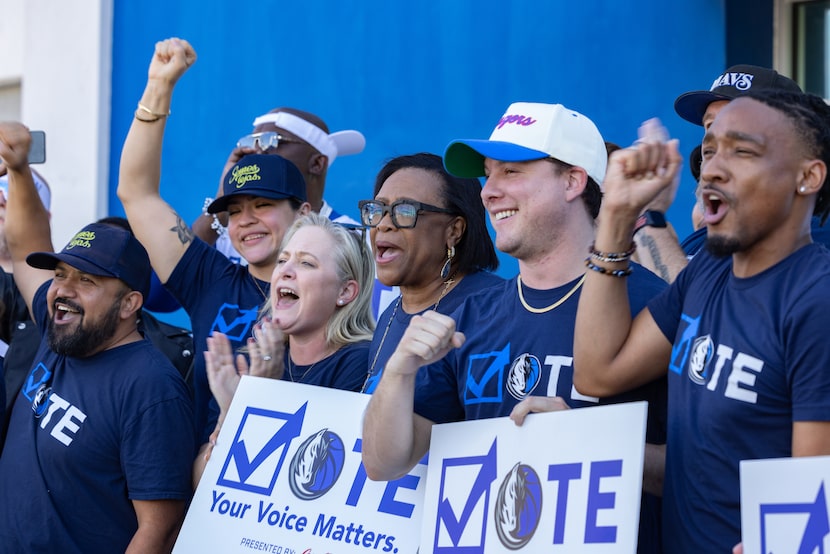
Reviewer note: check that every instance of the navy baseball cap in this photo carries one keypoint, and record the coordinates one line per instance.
(734, 82)
(262, 175)
(104, 250)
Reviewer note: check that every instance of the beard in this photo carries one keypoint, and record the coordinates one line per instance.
(721, 247)
(81, 341)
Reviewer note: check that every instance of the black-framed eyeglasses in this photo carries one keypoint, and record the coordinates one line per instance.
(264, 141)
(404, 213)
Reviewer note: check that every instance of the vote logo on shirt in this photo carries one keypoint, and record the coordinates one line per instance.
(234, 321)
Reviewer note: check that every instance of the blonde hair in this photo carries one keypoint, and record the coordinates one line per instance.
(353, 322)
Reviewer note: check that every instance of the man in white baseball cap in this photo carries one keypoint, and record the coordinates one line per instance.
(543, 166)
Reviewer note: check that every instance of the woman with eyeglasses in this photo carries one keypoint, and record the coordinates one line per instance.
(429, 237)
(316, 325)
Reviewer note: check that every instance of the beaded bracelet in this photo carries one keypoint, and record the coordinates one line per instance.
(612, 256)
(610, 272)
(216, 225)
(142, 109)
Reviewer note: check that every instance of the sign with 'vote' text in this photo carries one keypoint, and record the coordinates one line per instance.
(784, 505)
(566, 482)
(286, 477)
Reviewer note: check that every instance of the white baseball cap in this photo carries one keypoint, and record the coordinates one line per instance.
(533, 131)
(341, 143)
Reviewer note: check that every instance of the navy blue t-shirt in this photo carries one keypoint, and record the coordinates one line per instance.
(389, 331)
(344, 370)
(750, 357)
(218, 295)
(511, 353)
(117, 427)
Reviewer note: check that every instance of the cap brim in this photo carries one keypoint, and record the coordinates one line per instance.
(348, 142)
(221, 203)
(49, 260)
(465, 158)
(692, 105)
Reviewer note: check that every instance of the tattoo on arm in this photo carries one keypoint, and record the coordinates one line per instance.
(654, 252)
(182, 230)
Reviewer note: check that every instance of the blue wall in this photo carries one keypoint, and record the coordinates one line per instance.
(411, 76)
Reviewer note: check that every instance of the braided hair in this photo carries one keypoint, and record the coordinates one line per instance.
(810, 116)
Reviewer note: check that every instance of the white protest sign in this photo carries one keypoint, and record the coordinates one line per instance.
(286, 477)
(784, 505)
(566, 482)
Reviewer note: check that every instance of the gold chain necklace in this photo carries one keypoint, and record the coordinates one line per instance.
(259, 288)
(556, 304)
(447, 284)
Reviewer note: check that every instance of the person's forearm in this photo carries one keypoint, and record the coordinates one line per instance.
(140, 170)
(603, 308)
(154, 540)
(27, 221)
(658, 250)
(390, 447)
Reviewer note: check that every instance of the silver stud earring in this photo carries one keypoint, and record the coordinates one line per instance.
(339, 302)
(802, 189)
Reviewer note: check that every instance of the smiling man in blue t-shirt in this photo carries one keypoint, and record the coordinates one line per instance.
(100, 442)
(543, 166)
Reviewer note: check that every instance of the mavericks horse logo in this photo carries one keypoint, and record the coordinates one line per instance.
(523, 376)
(703, 349)
(316, 465)
(518, 507)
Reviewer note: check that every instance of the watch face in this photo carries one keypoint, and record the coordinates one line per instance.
(655, 219)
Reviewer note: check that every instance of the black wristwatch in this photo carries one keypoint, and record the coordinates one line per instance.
(650, 218)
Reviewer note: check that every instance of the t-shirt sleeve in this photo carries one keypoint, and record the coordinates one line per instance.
(808, 355)
(158, 444)
(199, 268)
(436, 392)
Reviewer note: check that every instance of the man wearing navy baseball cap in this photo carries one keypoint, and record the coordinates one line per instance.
(659, 248)
(544, 165)
(101, 432)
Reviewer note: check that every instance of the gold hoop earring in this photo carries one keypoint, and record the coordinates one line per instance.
(445, 269)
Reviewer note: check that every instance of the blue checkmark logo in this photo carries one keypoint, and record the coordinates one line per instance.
(456, 525)
(259, 449)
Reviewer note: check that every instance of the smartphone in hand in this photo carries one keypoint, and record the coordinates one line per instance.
(37, 150)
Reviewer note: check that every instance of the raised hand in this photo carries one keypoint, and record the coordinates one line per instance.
(636, 175)
(14, 145)
(222, 374)
(429, 337)
(266, 350)
(171, 59)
